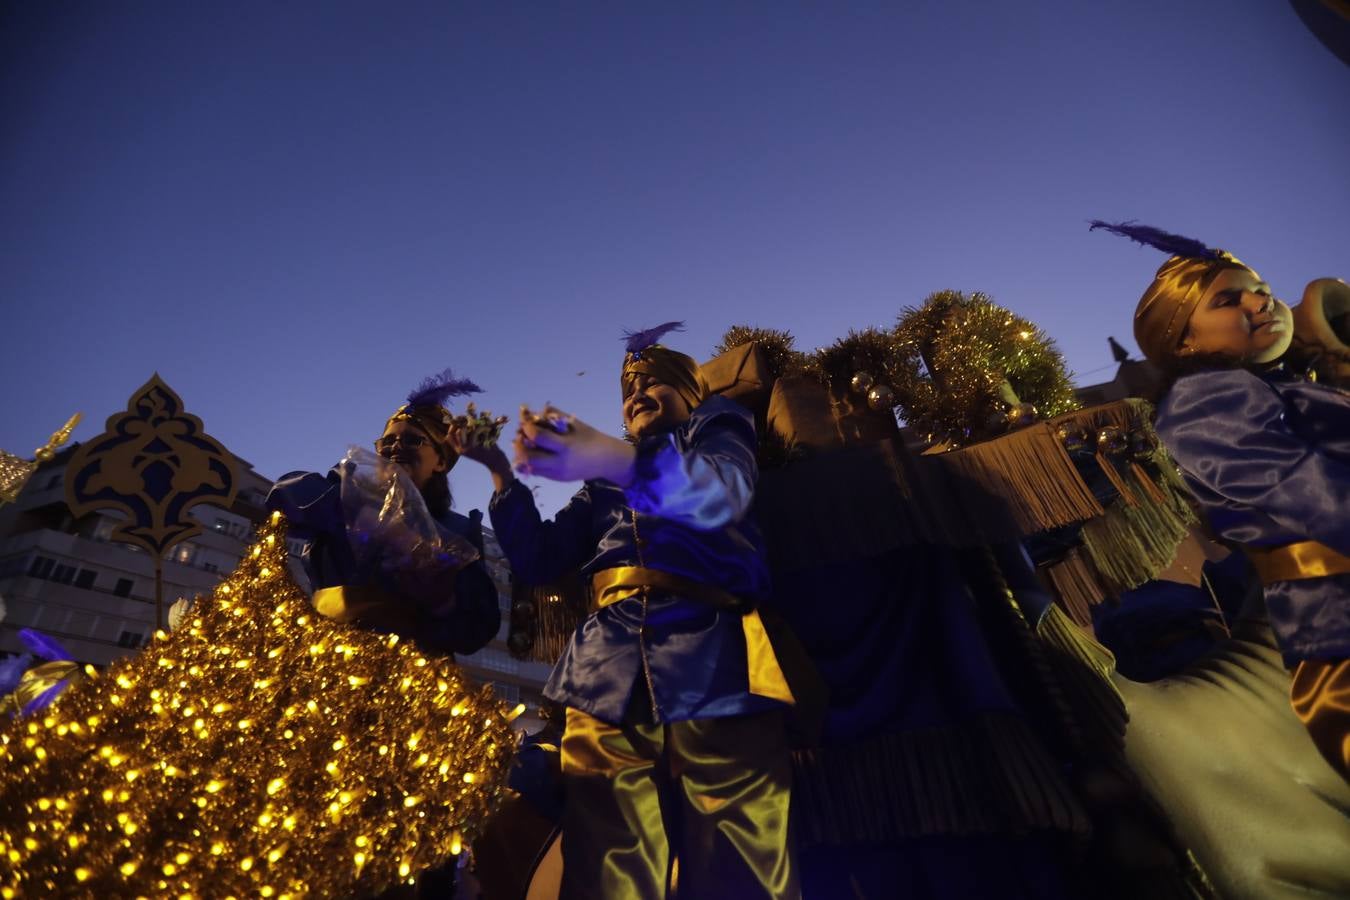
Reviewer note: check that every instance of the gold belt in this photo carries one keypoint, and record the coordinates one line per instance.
(1296, 562)
(765, 675)
(612, 585)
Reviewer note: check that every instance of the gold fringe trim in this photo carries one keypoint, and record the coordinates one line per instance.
(1131, 544)
(1077, 586)
(1084, 668)
(1030, 471)
(988, 776)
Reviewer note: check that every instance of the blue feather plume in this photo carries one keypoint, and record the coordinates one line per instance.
(436, 389)
(40, 645)
(637, 341)
(1172, 244)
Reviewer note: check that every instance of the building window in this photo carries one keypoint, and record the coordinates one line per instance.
(41, 567)
(130, 639)
(123, 588)
(185, 554)
(63, 574)
(86, 578)
(210, 567)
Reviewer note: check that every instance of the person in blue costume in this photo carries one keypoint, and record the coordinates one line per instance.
(674, 755)
(1267, 456)
(442, 609)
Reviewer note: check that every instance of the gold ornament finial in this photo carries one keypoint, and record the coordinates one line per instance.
(15, 472)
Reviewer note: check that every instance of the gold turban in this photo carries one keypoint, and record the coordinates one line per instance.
(670, 367)
(1161, 316)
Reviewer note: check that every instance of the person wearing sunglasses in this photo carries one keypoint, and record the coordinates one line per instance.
(442, 609)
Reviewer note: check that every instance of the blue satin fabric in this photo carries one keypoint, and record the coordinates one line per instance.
(312, 505)
(692, 494)
(1269, 461)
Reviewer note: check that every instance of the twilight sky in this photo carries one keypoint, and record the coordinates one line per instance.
(294, 211)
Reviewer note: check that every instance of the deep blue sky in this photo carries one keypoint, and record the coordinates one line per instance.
(294, 211)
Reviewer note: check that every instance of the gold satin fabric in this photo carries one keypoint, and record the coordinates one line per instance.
(1295, 562)
(37, 680)
(766, 677)
(670, 367)
(369, 607)
(714, 792)
(1321, 698)
(1166, 306)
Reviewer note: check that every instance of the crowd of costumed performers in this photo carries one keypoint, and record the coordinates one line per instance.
(798, 651)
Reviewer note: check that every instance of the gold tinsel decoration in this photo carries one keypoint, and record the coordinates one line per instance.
(955, 354)
(261, 750)
(777, 347)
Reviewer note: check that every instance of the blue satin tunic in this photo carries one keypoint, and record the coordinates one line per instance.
(686, 513)
(312, 505)
(1269, 460)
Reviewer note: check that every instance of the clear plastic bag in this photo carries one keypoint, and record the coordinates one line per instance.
(390, 530)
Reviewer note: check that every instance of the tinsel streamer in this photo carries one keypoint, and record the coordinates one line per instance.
(261, 750)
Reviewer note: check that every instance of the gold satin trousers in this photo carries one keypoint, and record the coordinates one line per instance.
(695, 809)
(1321, 698)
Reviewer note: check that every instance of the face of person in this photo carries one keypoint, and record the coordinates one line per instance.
(649, 406)
(1238, 318)
(408, 446)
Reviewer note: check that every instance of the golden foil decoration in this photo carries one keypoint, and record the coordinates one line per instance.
(15, 471)
(258, 751)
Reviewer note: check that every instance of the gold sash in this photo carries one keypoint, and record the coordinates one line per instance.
(609, 586)
(1296, 562)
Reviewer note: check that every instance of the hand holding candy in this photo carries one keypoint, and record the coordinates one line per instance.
(561, 447)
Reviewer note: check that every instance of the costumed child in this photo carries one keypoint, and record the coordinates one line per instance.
(386, 552)
(1266, 455)
(674, 755)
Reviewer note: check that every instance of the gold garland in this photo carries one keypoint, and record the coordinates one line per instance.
(957, 353)
(259, 751)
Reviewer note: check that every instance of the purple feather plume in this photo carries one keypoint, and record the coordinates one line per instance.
(40, 645)
(1173, 244)
(637, 341)
(435, 390)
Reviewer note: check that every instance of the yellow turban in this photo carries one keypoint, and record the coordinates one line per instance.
(1161, 316)
(669, 367)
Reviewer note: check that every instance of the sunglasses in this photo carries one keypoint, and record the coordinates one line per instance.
(410, 440)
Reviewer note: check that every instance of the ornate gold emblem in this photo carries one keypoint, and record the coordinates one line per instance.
(153, 463)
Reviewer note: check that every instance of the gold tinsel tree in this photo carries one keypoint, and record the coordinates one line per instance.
(261, 750)
(963, 359)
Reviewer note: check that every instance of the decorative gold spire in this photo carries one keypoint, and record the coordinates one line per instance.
(15, 472)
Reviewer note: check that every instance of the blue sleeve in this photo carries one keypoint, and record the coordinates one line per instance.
(1229, 431)
(702, 475)
(477, 614)
(311, 503)
(540, 551)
